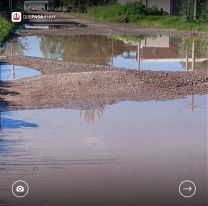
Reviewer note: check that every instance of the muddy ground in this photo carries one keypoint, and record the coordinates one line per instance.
(85, 86)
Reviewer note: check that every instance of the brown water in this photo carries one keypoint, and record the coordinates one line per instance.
(123, 154)
(159, 52)
(128, 153)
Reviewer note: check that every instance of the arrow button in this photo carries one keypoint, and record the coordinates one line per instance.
(187, 188)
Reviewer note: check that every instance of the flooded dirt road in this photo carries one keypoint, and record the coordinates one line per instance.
(82, 121)
(143, 52)
(128, 153)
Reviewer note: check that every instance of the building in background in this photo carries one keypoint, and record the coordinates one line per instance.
(39, 5)
(172, 7)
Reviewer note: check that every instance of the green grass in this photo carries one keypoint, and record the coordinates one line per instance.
(6, 28)
(171, 22)
(106, 13)
(113, 14)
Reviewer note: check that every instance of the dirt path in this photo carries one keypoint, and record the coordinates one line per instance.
(85, 86)
(97, 27)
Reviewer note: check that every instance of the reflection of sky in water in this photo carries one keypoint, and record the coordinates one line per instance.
(127, 150)
(11, 72)
(14, 124)
(120, 61)
(141, 112)
(53, 48)
(9, 122)
(32, 46)
(55, 133)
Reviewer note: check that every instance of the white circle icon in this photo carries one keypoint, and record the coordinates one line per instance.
(187, 188)
(20, 188)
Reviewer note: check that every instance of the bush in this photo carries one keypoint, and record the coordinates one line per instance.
(121, 18)
(153, 11)
(5, 28)
(204, 12)
(187, 11)
(130, 12)
(134, 11)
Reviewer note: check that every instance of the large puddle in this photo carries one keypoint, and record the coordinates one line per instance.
(130, 153)
(159, 52)
(13, 72)
(127, 153)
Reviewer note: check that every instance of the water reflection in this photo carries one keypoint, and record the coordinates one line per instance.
(53, 26)
(91, 115)
(159, 52)
(10, 123)
(192, 104)
(7, 145)
(144, 148)
(13, 72)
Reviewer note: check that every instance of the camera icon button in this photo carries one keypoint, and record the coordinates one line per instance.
(20, 188)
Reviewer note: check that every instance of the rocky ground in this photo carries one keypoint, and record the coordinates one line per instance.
(85, 86)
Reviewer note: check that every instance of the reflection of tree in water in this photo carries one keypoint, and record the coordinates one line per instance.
(92, 114)
(51, 47)
(96, 49)
(200, 50)
(17, 46)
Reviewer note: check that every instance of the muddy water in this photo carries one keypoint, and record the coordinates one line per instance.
(159, 52)
(13, 72)
(123, 154)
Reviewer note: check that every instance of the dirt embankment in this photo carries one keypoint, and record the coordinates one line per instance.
(49, 66)
(85, 86)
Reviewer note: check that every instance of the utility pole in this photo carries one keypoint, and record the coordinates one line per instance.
(195, 9)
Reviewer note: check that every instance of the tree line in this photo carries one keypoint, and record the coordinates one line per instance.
(187, 8)
(82, 5)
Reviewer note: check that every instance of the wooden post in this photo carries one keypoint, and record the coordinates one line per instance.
(112, 53)
(193, 55)
(139, 54)
(192, 104)
(187, 60)
(13, 72)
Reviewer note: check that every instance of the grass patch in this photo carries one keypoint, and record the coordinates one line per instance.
(108, 13)
(115, 14)
(171, 22)
(6, 28)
